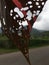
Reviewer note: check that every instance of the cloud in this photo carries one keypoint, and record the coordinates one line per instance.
(42, 22)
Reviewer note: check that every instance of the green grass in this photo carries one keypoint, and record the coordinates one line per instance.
(38, 46)
(4, 51)
(34, 43)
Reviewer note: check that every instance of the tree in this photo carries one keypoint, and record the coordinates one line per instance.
(17, 20)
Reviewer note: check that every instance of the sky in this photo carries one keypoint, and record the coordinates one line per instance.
(0, 24)
(42, 22)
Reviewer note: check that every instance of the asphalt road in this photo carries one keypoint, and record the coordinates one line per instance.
(38, 56)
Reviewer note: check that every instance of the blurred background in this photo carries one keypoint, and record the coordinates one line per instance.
(39, 33)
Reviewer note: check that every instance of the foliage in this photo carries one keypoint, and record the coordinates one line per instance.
(2, 50)
(38, 42)
(33, 42)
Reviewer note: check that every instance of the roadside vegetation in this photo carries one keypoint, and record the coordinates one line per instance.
(7, 46)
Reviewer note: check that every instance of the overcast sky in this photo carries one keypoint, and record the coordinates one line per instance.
(42, 22)
(0, 24)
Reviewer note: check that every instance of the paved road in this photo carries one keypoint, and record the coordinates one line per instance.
(38, 56)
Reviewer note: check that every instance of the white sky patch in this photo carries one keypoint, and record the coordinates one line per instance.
(37, 3)
(37, 13)
(42, 22)
(29, 15)
(31, 6)
(19, 12)
(0, 23)
(25, 8)
(25, 23)
(29, 2)
(4, 21)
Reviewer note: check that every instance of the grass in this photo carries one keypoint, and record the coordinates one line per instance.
(37, 46)
(34, 43)
(4, 51)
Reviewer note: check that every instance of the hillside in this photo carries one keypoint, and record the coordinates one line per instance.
(39, 33)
